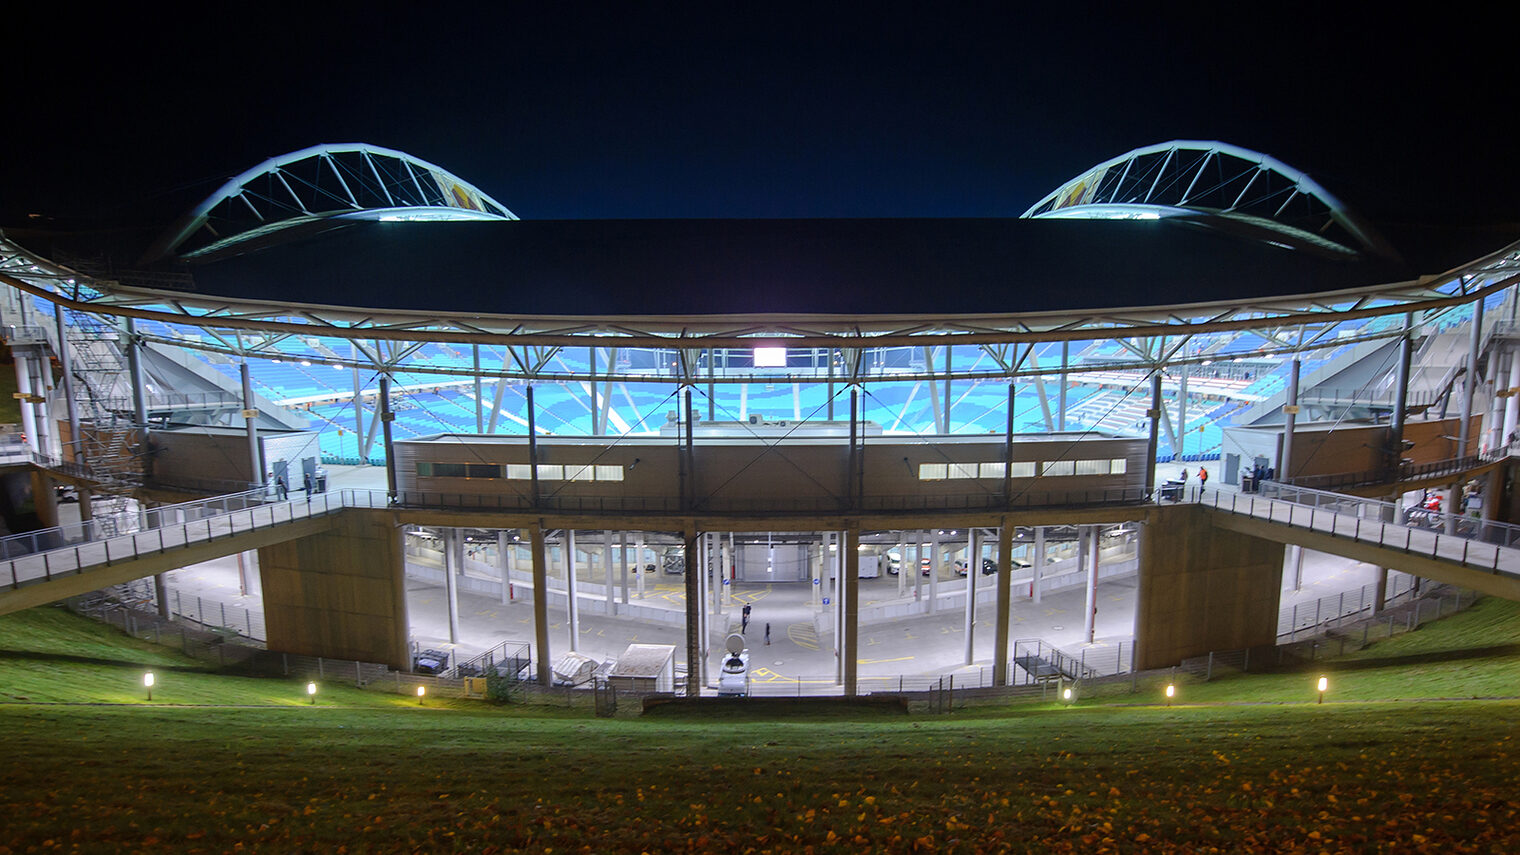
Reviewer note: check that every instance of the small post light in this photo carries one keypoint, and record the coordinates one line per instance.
(1324, 683)
(1171, 692)
(421, 690)
(148, 684)
(311, 692)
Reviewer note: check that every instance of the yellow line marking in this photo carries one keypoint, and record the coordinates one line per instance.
(879, 661)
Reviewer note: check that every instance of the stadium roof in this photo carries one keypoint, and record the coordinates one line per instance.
(728, 267)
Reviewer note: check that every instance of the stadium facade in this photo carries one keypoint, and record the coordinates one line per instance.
(684, 391)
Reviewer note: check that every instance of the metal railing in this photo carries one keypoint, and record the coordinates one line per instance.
(1485, 545)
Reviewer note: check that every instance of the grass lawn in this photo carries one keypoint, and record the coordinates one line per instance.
(369, 772)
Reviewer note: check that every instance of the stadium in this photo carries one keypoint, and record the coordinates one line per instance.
(440, 436)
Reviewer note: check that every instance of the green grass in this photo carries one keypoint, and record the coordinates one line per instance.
(368, 772)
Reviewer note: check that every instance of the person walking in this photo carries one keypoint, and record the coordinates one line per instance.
(1203, 478)
(767, 634)
(744, 623)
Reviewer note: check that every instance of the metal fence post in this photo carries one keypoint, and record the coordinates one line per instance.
(1209, 674)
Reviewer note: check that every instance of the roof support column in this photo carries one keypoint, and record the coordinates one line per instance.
(1154, 444)
(1061, 393)
(850, 648)
(386, 417)
(1470, 385)
(251, 421)
(1290, 420)
(692, 539)
(1400, 399)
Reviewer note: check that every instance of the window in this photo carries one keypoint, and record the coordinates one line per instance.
(962, 470)
(575, 472)
(1093, 467)
(1059, 467)
(1118, 466)
(458, 470)
(993, 470)
(931, 472)
(519, 471)
(1021, 469)
(551, 472)
(424, 470)
(609, 473)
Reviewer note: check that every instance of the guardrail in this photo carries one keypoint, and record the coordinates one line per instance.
(1486, 546)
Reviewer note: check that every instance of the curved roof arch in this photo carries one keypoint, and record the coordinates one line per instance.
(342, 181)
(1227, 186)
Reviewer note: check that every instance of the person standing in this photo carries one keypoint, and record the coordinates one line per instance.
(744, 623)
(767, 634)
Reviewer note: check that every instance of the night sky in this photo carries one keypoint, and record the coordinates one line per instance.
(663, 110)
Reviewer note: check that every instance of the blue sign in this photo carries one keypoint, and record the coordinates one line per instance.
(825, 600)
(815, 581)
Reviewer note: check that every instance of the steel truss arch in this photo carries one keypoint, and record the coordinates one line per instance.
(324, 182)
(1237, 187)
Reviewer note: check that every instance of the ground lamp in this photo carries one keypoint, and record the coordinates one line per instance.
(1324, 683)
(421, 690)
(311, 692)
(1171, 692)
(148, 684)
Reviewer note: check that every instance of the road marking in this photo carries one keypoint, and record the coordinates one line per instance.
(880, 661)
(803, 635)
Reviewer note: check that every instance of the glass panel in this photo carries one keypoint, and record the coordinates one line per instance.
(931, 471)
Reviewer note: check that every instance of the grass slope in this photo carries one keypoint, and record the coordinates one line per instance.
(372, 773)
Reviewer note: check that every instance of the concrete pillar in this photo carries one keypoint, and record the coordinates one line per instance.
(24, 387)
(836, 570)
(1004, 589)
(933, 569)
(1290, 418)
(903, 568)
(973, 570)
(1037, 560)
(251, 425)
(504, 549)
(818, 575)
(1470, 381)
(572, 606)
(541, 604)
(1400, 412)
(1061, 396)
(1153, 444)
(1494, 416)
(851, 586)
(1295, 556)
(623, 560)
(1380, 593)
(386, 417)
(1094, 542)
(607, 575)
(453, 565)
(638, 562)
(691, 539)
(1512, 402)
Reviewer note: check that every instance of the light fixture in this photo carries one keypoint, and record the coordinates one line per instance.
(421, 690)
(1324, 683)
(148, 684)
(311, 692)
(1171, 692)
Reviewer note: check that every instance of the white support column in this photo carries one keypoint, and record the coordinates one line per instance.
(973, 570)
(1095, 542)
(1037, 562)
(933, 569)
(638, 563)
(1295, 559)
(572, 609)
(453, 559)
(903, 567)
(1512, 402)
(725, 584)
(623, 560)
(607, 571)
(504, 564)
(1084, 568)
(836, 569)
(818, 574)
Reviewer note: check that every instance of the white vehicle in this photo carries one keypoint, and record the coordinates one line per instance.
(733, 678)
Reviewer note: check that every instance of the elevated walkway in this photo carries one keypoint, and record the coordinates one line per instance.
(49, 565)
(1463, 551)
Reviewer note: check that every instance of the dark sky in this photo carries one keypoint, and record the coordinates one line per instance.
(663, 110)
